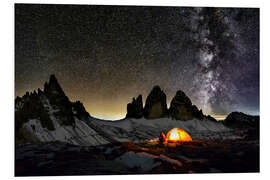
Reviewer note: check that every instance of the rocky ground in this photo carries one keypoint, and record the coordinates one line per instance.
(52, 159)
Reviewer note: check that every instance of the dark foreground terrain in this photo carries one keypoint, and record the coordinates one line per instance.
(53, 159)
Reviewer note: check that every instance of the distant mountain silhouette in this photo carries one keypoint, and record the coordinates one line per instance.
(241, 120)
(181, 107)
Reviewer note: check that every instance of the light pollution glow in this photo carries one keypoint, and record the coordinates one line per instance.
(115, 109)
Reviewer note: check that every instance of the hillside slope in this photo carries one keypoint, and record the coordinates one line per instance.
(137, 130)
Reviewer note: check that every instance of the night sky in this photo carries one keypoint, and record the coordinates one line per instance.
(105, 55)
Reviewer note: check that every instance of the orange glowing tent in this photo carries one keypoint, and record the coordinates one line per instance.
(177, 135)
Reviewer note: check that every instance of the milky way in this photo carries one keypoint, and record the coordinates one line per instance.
(105, 55)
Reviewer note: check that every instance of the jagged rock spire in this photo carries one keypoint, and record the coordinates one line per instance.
(156, 105)
(135, 108)
(53, 87)
(38, 105)
(181, 108)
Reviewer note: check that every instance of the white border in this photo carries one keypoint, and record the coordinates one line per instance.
(216, 3)
(7, 82)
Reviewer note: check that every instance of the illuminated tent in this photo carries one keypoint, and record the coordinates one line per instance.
(177, 135)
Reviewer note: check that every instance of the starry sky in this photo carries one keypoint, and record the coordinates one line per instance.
(105, 55)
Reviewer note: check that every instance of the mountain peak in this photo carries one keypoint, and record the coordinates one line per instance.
(53, 79)
(241, 120)
(155, 104)
(53, 87)
(135, 108)
(181, 98)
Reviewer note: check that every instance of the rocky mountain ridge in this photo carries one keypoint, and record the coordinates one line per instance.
(181, 107)
(240, 120)
(49, 115)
